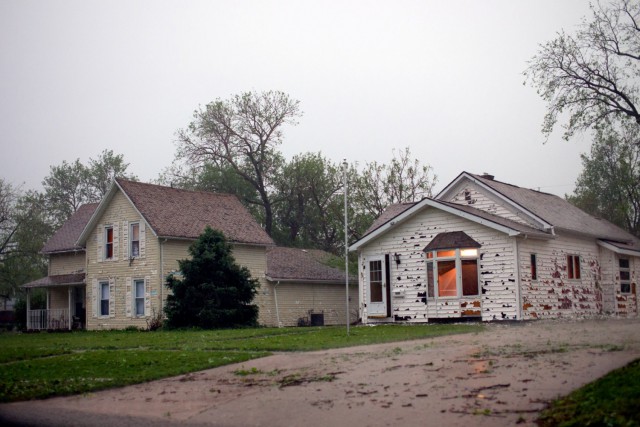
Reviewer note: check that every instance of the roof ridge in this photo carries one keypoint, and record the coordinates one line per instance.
(512, 185)
(148, 184)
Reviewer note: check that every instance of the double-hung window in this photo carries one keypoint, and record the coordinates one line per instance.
(138, 287)
(625, 275)
(108, 242)
(134, 232)
(104, 298)
(573, 266)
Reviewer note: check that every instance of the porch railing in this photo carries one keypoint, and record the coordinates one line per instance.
(55, 318)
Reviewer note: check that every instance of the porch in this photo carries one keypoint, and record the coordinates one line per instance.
(65, 304)
(48, 319)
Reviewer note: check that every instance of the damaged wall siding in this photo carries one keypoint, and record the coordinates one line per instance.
(554, 295)
(498, 283)
(472, 195)
(614, 301)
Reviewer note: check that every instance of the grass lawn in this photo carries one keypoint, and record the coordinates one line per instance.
(51, 364)
(613, 400)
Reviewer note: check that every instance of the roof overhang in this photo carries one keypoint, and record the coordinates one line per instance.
(441, 206)
(621, 251)
(518, 208)
(73, 279)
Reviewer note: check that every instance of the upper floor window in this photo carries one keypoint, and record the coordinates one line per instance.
(134, 232)
(625, 275)
(534, 267)
(108, 242)
(573, 266)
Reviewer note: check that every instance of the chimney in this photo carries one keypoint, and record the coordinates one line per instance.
(487, 176)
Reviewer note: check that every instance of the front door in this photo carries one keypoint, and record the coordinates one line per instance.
(377, 291)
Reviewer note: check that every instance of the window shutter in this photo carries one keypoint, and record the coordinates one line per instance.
(94, 298)
(125, 239)
(142, 239)
(147, 295)
(116, 240)
(100, 243)
(112, 295)
(128, 303)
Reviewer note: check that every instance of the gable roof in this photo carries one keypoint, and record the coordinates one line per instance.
(478, 216)
(302, 265)
(451, 240)
(64, 240)
(183, 214)
(552, 209)
(390, 212)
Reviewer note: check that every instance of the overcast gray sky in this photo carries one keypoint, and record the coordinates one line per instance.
(441, 77)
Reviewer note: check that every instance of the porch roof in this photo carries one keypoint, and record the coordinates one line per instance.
(59, 280)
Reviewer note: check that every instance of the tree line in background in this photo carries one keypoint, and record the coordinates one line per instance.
(589, 78)
(29, 218)
(231, 146)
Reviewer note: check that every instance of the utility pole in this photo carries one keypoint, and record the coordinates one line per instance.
(345, 165)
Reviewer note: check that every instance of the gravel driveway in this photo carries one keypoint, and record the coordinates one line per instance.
(503, 376)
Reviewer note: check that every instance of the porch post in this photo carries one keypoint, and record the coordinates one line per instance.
(28, 308)
(69, 314)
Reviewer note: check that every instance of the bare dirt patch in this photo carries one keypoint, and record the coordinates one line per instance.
(503, 376)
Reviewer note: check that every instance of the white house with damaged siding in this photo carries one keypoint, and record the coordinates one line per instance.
(490, 250)
(109, 262)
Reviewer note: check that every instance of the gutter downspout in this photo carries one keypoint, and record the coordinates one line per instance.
(518, 283)
(275, 296)
(161, 274)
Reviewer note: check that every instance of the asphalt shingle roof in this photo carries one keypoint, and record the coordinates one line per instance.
(557, 211)
(177, 213)
(302, 264)
(65, 238)
(451, 240)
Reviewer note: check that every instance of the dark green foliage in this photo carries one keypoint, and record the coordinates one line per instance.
(38, 302)
(214, 292)
(609, 184)
(613, 400)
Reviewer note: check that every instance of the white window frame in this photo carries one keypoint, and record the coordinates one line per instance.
(131, 241)
(457, 258)
(101, 285)
(137, 297)
(628, 271)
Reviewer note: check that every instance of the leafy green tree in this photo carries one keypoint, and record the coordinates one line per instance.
(242, 133)
(609, 184)
(71, 185)
(309, 212)
(591, 75)
(214, 292)
(403, 179)
(28, 227)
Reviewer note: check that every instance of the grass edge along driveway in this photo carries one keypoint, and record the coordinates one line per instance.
(40, 365)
